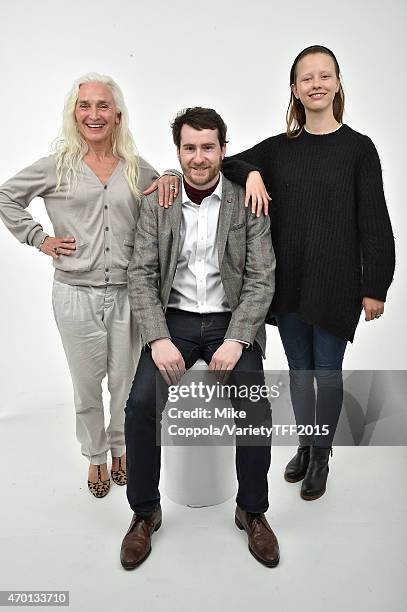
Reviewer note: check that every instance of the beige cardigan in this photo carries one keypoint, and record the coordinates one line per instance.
(102, 219)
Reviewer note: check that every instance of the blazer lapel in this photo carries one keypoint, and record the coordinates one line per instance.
(225, 216)
(175, 216)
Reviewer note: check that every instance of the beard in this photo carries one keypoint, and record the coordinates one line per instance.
(199, 176)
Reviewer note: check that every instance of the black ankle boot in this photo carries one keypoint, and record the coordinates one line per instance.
(314, 483)
(297, 467)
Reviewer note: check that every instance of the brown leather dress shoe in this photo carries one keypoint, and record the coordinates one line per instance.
(262, 541)
(136, 545)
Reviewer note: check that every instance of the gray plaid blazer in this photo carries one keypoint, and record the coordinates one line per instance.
(246, 263)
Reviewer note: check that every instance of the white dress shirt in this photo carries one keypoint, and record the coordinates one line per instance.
(197, 285)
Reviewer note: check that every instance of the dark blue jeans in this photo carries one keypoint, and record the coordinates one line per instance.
(313, 353)
(195, 336)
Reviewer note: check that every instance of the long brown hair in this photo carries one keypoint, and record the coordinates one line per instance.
(295, 116)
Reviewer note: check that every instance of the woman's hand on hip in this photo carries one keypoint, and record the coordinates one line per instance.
(256, 192)
(168, 187)
(54, 247)
(373, 308)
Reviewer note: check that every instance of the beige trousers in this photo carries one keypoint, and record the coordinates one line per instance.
(100, 338)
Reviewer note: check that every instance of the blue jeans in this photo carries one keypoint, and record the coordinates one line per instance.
(195, 335)
(313, 353)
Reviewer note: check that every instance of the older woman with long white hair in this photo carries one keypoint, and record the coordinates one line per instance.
(91, 187)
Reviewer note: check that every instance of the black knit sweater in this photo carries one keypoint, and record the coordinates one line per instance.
(330, 226)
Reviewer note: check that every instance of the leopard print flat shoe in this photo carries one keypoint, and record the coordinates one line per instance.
(119, 476)
(101, 487)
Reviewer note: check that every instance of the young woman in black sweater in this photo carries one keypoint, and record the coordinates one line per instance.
(333, 242)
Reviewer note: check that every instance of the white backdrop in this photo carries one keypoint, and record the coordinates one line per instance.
(234, 56)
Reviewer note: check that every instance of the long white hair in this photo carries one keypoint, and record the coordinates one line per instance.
(71, 147)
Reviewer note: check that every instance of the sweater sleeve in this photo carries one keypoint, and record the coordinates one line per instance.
(147, 175)
(376, 235)
(15, 196)
(237, 167)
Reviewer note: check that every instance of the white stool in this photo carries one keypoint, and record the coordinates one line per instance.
(198, 476)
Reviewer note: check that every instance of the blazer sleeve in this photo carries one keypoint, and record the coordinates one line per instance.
(144, 276)
(15, 196)
(258, 281)
(376, 235)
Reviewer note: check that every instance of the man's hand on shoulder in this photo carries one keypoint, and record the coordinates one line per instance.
(225, 358)
(168, 360)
